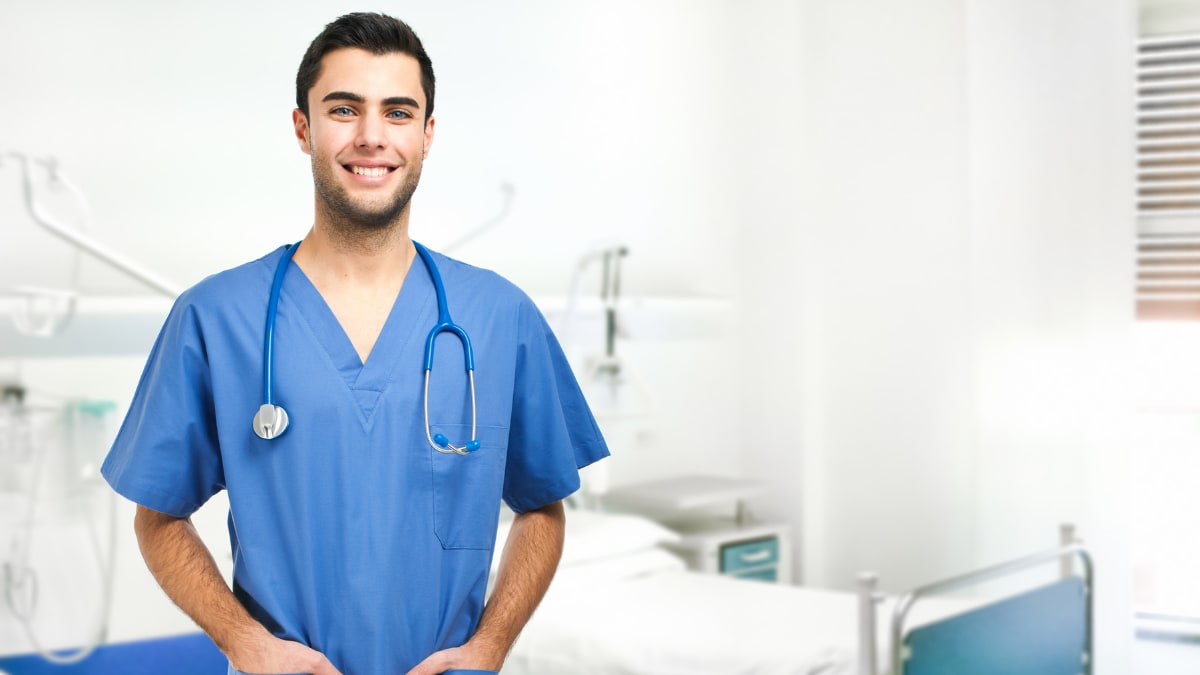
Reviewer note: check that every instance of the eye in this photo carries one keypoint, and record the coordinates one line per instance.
(341, 111)
(399, 114)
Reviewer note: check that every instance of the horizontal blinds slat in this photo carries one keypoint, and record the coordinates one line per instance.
(1184, 81)
(1176, 100)
(1169, 187)
(1160, 240)
(1145, 42)
(1171, 128)
(1168, 201)
(1175, 256)
(1171, 213)
(1169, 296)
(1160, 145)
(1170, 115)
(1177, 157)
(1166, 71)
(1160, 173)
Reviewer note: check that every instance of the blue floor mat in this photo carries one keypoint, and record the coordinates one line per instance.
(192, 654)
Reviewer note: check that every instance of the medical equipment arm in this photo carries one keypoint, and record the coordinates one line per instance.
(186, 571)
(527, 565)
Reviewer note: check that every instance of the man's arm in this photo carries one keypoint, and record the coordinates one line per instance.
(527, 565)
(185, 569)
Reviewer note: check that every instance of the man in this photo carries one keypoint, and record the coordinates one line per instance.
(362, 535)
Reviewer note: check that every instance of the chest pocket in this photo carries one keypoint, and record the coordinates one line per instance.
(467, 488)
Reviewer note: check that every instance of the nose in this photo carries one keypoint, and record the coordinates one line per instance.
(370, 132)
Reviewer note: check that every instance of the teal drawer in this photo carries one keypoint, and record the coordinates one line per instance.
(751, 554)
(770, 574)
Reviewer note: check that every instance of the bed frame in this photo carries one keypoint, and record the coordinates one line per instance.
(1043, 631)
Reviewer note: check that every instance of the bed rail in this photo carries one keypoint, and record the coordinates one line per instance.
(1066, 554)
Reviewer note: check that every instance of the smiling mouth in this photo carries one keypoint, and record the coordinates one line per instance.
(370, 171)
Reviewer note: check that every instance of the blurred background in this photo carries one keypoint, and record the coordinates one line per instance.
(879, 260)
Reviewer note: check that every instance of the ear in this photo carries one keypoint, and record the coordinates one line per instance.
(300, 122)
(428, 136)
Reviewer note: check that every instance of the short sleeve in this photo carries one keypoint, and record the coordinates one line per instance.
(166, 455)
(553, 433)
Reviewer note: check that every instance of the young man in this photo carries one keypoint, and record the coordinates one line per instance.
(363, 520)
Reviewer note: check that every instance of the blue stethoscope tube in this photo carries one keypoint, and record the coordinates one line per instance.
(272, 420)
(438, 441)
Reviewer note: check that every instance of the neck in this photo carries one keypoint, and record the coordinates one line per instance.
(332, 255)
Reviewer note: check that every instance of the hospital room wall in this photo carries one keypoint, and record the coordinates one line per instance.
(952, 294)
(876, 330)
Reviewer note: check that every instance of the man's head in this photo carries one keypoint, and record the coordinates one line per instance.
(376, 33)
(364, 93)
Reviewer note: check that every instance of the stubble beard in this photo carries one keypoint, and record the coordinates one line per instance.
(353, 222)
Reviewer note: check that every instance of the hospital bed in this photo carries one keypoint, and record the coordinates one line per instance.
(622, 604)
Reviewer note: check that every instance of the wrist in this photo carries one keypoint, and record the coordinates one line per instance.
(242, 641)
(487, 651)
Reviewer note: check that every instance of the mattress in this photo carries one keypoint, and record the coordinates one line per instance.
(680, 622)
(621, 604)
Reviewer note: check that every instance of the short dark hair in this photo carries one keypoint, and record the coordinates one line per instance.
(377, 33)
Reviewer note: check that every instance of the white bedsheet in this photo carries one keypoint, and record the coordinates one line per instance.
(620, 604)
(679, 622)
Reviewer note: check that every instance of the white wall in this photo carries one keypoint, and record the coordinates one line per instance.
(1052, 222)
(951, 273)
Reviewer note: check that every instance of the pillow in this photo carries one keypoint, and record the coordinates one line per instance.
(641, 563)
(594, 535)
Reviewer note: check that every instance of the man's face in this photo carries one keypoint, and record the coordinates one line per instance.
(367, 135)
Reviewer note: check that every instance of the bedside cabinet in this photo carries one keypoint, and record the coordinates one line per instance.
(733, 545)
(759, 551)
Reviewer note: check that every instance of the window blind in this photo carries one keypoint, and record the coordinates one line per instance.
(1168, 177)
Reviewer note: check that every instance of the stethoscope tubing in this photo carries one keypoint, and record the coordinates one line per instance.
(272, 310)
(271, 420)
(446, 325)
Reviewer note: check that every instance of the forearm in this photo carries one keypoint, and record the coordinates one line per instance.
(527, 565)
(187, 572)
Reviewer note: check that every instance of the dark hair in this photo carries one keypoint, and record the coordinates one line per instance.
(377, 33)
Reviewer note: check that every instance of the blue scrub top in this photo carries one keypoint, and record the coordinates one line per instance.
(351, 534)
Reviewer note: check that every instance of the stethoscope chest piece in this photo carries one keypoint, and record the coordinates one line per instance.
(270, 421)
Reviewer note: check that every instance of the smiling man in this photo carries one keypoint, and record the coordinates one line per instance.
(362, 519)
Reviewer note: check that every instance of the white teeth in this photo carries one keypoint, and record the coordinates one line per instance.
(374, 171)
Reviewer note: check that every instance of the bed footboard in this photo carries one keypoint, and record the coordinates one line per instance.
(1043, 631)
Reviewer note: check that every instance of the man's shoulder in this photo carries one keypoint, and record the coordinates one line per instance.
(248, 281)
(462, 276)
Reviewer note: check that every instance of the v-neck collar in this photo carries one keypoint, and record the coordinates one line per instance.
(413, 311)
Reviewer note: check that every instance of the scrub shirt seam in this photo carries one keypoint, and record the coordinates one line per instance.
(349, 390)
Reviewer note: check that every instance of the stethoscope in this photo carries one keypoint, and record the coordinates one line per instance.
(272, 420)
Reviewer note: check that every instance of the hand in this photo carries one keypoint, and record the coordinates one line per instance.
(463, 657)
(269, 654)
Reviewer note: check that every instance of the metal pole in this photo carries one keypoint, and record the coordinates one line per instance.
(867, 597)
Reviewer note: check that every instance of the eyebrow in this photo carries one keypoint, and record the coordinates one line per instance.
(349, 96)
